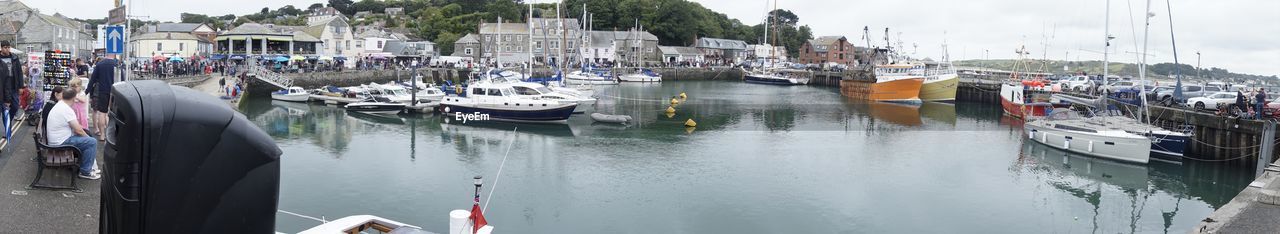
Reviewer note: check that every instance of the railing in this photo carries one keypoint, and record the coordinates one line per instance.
(275, 78)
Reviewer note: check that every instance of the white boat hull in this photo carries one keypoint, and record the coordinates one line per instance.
(292, 97)
(639, 78)
(1110, 144)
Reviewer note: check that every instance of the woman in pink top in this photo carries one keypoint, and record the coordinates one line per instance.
(82, 102)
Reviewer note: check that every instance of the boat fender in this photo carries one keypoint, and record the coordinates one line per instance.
(671, 110)
(690, 123)
(1066, 144)
(1090, 146)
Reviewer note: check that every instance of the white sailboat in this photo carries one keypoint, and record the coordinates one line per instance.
(1065, 130)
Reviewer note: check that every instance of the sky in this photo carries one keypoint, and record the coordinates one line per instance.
(1239, 35)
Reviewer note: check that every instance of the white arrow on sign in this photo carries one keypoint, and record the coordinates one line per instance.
(114, 40)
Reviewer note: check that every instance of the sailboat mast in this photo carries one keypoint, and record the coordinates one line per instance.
(1142, 73)
(529, 23)
(497, 56)
(773, 54)
(1106, 40)
(1177, 89)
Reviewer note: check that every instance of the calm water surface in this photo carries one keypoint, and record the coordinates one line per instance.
(763, 159)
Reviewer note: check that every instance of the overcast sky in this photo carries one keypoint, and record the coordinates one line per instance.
(1239, 35)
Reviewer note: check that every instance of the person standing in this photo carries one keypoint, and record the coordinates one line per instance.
(1259, 101)
(99, 91)
(10, 79)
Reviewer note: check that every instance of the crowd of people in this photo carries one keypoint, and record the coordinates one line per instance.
(65, 116)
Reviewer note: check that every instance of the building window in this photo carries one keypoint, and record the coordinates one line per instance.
(159, 47)
(555, 45)
(182, 46)
(379, 44)
(488, 38)
(571, 45)
(537, 45)
(467, 51)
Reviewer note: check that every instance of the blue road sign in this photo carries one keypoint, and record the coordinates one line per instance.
(115, 39)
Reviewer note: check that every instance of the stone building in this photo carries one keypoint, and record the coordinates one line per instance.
(827, 49)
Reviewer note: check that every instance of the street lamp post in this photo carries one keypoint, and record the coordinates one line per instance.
(1198, 65)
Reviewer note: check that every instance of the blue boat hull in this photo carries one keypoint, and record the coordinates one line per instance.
(549, 115)
(1168, 146)
(759, 80)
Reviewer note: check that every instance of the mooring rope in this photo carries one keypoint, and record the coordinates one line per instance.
(304, 216)
(500, 167)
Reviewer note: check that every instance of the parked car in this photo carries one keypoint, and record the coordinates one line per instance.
(1188, 92)
(1077, 83)
(1154, 94)
(1213, 101)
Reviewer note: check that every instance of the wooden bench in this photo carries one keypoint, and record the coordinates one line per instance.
(54, 157)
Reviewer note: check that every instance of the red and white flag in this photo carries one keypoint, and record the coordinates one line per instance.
(477, 218)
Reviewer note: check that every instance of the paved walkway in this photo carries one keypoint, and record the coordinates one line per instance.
(211, 87)
(26, 210)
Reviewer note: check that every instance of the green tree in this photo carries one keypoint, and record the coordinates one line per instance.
(343, 6)
(289, 10)
(315, 6)
(444, 42)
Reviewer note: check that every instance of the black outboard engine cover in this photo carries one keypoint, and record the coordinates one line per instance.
(181, 161)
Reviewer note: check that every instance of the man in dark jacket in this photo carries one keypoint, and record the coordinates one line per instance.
(1259, 100)
(99, 90)
(11, 77)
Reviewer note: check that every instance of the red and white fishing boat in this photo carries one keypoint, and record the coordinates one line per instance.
(1014, 95)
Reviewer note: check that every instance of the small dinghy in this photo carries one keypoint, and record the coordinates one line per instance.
(598, 117)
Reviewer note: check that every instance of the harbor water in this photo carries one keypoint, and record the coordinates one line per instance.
(762, 159)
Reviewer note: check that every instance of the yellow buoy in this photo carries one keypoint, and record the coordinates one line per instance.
(690, 123)
(674, 101)
(671, 110)
(682, 96)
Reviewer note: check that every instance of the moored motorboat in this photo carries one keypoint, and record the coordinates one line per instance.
(487, 100)
(292, 94)
(376, 105)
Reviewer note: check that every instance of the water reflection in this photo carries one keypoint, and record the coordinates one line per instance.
(1136, 189)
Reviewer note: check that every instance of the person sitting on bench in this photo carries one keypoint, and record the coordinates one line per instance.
(65, 129)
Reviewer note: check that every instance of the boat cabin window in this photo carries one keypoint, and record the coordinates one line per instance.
(525, 91)
(477, 91)
(495, 92)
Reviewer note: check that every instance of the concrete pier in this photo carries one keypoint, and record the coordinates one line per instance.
(1255, 210)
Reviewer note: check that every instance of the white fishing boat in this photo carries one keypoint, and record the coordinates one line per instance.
(292, 94)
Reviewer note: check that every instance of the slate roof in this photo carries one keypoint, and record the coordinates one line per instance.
(724, 44)
(250, 29)
(507, 28)
(165, 36)
(680, 50)
(177, 27)
(822, 44)
(469, 38)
